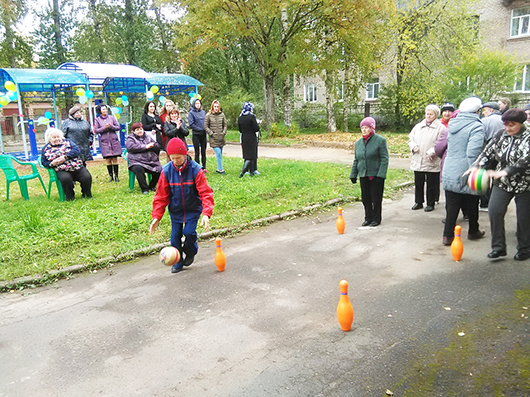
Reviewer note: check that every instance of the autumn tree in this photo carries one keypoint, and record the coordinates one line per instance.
(15, 50)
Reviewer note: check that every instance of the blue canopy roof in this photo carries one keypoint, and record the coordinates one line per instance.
(41, 80)
(171, 84)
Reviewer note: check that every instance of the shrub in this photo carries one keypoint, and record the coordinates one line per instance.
(279, 130)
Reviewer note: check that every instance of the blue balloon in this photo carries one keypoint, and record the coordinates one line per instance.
(48, 115)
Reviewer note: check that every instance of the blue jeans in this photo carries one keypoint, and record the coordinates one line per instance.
(219, 157)
(189, 231)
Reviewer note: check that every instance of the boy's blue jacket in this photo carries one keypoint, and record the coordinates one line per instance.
(185, 191)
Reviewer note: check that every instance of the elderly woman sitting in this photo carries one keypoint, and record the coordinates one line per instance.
(143, 157)
(63, 156)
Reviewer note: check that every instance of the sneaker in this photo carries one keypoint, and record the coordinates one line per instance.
(145, 192)
(188, 260)
(176, 268)
(476, 236)
(256, 173)
(221, 172)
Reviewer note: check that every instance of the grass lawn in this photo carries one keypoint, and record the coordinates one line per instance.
(44, 234)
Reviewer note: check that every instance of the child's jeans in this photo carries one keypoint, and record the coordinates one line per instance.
(219, 157)
(189, 230)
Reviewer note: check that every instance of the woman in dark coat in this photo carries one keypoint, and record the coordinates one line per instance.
(175, 127)
(151, 123)
(78, 131)
(371, 166)
(249, 129)
(107, 126)
(142, 152)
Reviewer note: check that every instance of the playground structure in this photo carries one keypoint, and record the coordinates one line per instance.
(82, 79)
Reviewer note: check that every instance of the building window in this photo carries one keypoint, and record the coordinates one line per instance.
(522, 83)
(520, 22)
(372, 90)
(310, 93)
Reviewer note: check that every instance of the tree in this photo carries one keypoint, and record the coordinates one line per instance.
(15, 51)
(53, 33)
(427, 37)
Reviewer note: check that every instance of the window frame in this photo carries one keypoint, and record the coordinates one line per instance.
(520, 22)
(523, 80)
(374, 91)
(310, 93)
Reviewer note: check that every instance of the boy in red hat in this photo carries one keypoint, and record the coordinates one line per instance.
(182, 186)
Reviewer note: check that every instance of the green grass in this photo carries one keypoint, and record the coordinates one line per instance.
(40, 235)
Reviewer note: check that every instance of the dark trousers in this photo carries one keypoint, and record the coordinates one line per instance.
(498, 205)
(372, 198)
(189, 231)
(432, 179)
(67, 179)
(453, 203)
(199, 145)
(140, 171)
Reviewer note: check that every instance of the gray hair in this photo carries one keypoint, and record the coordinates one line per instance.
(51, 130)
(434, 108)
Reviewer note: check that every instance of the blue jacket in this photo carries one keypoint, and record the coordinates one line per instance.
(465, 140)
(196, 121)
(186, 193)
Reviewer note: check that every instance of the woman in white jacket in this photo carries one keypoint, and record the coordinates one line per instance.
(424, 162)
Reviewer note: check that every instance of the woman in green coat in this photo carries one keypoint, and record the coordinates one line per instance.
(370, 166)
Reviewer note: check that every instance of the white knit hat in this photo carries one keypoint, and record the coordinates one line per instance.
(434, 108)
(470, 105)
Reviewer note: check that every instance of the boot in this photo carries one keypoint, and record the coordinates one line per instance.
(116, 169)
(246, 167)
(111, 173)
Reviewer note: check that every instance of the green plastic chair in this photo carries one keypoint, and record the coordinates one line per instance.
(6, 163)
(132, 177)
(53, 178)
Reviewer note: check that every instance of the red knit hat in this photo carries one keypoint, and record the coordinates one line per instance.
(176, 146)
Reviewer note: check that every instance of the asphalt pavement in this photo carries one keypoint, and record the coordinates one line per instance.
(267, 325)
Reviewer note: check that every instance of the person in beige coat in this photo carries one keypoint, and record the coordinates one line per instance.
(215, 126)
(424, 162)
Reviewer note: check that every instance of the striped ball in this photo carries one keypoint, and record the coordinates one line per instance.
(478, 181)
(169, 256)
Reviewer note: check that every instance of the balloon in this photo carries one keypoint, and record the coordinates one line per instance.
(125, 103)
(80, 92)
(3, 100)
(12, 95)
(124, 98)
(116, 110)
(117, 116)
(191, 94)
(43, 120)
(48, 115)
(83, 99)
(162, 99)
(199, 97)
(119, 101)
(150, 95)
(10, 86)
(154, 89)
(89, 94)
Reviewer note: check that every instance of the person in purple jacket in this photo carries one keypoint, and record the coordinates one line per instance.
(106, 126)
(196, 118)
(142, 152)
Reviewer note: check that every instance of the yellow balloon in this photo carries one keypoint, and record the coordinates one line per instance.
(3, 100)
(10, 86)
(117, 116)
(80, 92)
(154, 89)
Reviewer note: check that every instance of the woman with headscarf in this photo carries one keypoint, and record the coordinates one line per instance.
(64, 157)
(507, 154)
(249, 130)
(424, 162)
(107, 126)
(370, 166)
(78, 131)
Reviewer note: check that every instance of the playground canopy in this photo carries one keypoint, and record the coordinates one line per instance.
(111, 77)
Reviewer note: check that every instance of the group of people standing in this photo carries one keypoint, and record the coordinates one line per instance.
(447, 150)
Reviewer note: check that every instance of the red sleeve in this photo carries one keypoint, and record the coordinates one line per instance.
(161, 199)
(205, 193)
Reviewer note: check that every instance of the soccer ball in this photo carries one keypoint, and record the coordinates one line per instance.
(169, 256)
(478, 181)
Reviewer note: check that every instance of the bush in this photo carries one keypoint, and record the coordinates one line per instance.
(280, 130)
(310, 116)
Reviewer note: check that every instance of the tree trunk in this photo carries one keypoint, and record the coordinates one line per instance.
(57, 36)
(287, 113)
(97, 29)
(268, 86)
(346, 97)
(330, 101)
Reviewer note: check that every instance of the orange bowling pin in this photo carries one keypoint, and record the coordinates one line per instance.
(457, 247)
(220, 258)
(340, 222)
(344, 309)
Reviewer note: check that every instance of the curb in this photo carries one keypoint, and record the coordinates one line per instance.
(41, 279)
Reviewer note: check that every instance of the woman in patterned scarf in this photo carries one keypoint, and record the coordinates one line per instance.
(63, 156)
